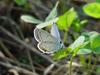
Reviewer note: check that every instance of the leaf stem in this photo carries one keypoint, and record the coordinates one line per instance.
(65, 37)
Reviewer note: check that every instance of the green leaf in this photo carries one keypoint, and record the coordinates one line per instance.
(84, 51)
(77, 42)
(65, 21)
(95, 40)
(61, 54)
(44, 24)
(53, 13)
(83, 21)
(96, 50)
(73, 49)
(88, 35)
(77, 25)
(92, 9)
(76, 49)
(30, 19)
(21, 2)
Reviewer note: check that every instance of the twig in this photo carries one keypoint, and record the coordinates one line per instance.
(6, 59)
(7, 51)
(13, 24)
(11, 42)
(48, 69)
(1, 54)
(58, 69)
(30, 59)
(14, 62)
(13, 71)
(19, 69)
(40, 4)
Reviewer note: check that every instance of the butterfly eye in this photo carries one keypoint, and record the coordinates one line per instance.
(60, 42)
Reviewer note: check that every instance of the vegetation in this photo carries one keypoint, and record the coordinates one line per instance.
(78, 22)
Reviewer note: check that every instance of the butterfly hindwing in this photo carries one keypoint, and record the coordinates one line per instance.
(49, 46)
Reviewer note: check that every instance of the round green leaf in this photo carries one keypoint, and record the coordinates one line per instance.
(65, 21)
(92, 9)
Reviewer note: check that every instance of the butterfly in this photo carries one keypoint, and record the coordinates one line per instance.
(46, 42)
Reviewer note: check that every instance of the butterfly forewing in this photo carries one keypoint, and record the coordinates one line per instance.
(42, 35)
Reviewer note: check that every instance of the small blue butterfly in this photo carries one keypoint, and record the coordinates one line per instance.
(48, 43)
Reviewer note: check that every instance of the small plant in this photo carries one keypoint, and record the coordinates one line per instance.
(86, 43)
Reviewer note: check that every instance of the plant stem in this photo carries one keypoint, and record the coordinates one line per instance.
(70, 65)
(7, 51)
(65, 37)
(89, 64)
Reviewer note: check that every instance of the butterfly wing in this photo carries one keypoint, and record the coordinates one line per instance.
(42, 35)
(55, 32)
(47, 43)
(49, 46)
